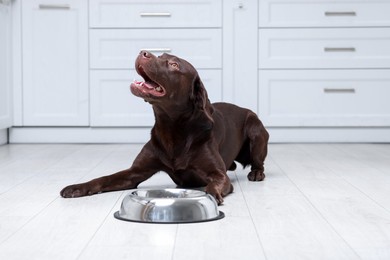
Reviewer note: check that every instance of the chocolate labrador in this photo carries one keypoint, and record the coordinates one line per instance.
(193, 141)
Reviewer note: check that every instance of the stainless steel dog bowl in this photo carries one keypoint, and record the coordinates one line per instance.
(169, 206)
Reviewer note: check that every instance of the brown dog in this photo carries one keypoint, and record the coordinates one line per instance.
(194, 141)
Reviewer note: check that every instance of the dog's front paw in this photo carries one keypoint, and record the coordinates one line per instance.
(256, 175)
(215, 193)
(75, 191)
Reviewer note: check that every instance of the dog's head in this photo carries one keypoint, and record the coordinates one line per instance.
(169, 81)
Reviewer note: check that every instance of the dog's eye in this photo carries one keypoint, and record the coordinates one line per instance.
(174, 65)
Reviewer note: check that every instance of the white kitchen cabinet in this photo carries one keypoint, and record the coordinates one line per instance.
(324, 65)
(119, 30)
(5, 66)
(55, 63)
(314, 70)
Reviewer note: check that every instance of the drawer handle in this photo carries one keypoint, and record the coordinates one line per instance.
(340, 13)
(339, 49)
(51, 7)
(157, 49)
(155, 14)
(339, 90)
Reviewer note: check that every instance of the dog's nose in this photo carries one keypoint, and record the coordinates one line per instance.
(145, 54)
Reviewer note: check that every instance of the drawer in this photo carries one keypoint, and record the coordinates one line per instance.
(117, 49)
(324, 97)
(324, 48)
(155, 13)
(318, 13)
(112, 103)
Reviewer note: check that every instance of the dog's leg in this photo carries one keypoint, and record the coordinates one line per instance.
(126, 179)
(233, 166)
(258, 143)
(220, 186)
(144, 166)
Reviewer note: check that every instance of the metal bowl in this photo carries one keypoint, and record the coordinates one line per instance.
(169, 206)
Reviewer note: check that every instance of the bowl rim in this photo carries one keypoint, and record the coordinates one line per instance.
(221, 215)
(201, 194)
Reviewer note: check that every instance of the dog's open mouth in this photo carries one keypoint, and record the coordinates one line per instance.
(148, 87)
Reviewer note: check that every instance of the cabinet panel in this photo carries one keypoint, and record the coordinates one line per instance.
(112, 103)
(325, 97)
(55, 63)
(117, 49)
(5, 65)
(324, 48)
(240, 59)
(318, 13)
(155, 13)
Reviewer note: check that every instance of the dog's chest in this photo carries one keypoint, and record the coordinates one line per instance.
(177, 162)
(185, 174)
(179, 150)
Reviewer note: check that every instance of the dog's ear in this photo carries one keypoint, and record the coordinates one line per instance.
(200, 99)
(199, 94)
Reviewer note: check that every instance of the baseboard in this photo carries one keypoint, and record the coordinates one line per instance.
(142, 135)
(330, 135)
(78, 135)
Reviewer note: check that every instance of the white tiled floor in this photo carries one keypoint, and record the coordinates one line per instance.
(318, 201)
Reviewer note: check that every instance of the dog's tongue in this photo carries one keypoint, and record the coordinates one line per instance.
(148, 85)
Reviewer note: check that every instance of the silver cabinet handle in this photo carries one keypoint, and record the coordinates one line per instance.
(339, 49)
(157, 49)
(162, 14)
(340, 13)
(50, 6)
(339, 90)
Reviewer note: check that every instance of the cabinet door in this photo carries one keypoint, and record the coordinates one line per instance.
(116, 49)
(309, 13)
(112, 103)
(239, 53)
(326, 48)
(155, 13)
(318, 98)
(55, 63)
(5, 64)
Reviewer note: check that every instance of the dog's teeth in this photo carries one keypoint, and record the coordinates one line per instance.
(138, 82)
(158, 89)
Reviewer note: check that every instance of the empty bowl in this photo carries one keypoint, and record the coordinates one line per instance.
(169, 206)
